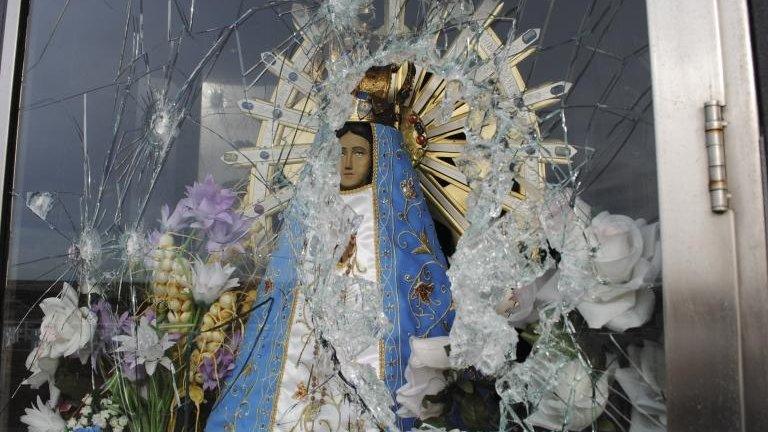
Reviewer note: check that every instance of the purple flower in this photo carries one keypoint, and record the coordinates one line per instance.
(153, 240)
(108, 325)
(176, 220)
(212, 373)
(151, 316)
(223, 235)
(130, 368)
(208, 202)
(235, 340)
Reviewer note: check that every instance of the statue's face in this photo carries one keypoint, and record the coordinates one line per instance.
(356, 161)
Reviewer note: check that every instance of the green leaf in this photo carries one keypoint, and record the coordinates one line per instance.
(441, 397)
(606, 425)
(437, 422)
(466, 386)
(475, 412)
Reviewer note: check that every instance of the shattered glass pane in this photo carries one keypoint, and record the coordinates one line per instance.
(40, 203)
(497, 267)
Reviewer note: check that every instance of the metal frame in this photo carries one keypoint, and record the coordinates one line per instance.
(8, 94)
(747, 177)
(715, 275)
(10, 88)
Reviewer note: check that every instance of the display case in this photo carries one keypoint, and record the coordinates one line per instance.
(562, 226)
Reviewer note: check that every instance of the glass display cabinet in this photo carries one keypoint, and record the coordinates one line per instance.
(382, 215)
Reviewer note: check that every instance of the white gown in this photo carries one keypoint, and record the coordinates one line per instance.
(307, 400)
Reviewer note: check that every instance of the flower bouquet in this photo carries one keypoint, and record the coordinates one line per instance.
(582, 357)
(157, 348)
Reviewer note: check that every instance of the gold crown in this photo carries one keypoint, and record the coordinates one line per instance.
(376, 97)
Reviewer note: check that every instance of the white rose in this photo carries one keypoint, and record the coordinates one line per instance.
(65, 328)
(620, 245)
(424, 377)
(644, 382)
(627, 260)
(519, 306)
(575, 401)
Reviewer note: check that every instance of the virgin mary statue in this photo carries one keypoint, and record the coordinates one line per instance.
(275, 386)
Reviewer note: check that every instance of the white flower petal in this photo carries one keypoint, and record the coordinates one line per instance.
(423, 377)
(209, 281)
(42, 418)
(636, 316)
(641, 383)
(575, 402)
(150, 365)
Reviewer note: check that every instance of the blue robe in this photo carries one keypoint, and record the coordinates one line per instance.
(410, 270)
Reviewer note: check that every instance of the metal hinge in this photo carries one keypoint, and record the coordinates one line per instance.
(714, 128)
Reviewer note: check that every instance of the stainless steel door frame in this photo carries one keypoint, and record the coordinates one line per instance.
(749, 203)
(715, 276)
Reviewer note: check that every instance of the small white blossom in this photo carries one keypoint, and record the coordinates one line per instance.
(147, 346)
(99, 420)
(114, 422)
(211, 280)
(43, 419)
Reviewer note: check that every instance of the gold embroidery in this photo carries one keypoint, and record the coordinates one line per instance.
(276, 394)
(407, 187)
(348, 259)
(423, 247)
(377, 259)
(423, 292)
(301, 391)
